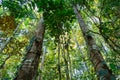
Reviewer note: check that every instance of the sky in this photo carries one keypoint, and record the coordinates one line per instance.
(0, 1)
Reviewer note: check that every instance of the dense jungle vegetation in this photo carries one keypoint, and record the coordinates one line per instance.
(59, 39)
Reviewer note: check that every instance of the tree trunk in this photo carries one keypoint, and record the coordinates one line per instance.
(69, 61)
(42, 63)
(30, 64)
(65, 55)
(59, 67)
(96, 58)
(66, 63)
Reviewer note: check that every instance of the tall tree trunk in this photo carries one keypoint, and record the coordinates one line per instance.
(65, 60)
(65, 53)
(59, 67)
(42, 63)
(30, 64)
(96, 58)
(69, 60)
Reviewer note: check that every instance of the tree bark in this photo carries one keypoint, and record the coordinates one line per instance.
(59, 67)
(42, 63)
(69, 61)
(66, 63)
(30, 64)
(65, 55)
(100, 66)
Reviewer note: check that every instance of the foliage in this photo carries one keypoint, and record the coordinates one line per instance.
(7, 22)
(102, 18)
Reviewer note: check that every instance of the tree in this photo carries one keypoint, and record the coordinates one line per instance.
(101, 68)
(30, 63)
(67, 56)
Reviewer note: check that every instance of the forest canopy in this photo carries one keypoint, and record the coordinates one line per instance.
(59, 39)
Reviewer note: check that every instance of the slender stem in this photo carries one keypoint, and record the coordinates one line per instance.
(59, 67)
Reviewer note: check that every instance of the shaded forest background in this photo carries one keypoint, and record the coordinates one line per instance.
(59, 39)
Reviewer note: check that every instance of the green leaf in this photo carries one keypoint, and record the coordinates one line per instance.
(112, 66)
